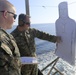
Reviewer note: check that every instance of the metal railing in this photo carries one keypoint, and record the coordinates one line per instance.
(53, 63)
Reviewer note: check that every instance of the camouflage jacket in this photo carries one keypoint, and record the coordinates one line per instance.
(26, 40)
(9, 55)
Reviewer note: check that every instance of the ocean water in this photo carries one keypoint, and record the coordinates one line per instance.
(46, 51)
(43, 46)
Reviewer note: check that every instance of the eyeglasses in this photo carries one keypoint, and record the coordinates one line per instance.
(28, 23)
(14, 15)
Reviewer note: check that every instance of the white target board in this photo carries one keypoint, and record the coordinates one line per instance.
(66, 28)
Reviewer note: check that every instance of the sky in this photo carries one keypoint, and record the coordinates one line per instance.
(43, 11)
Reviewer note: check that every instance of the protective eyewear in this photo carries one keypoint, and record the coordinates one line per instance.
(14, 15)
(28, 23)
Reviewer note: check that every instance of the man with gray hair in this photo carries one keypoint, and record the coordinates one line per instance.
(9, 53)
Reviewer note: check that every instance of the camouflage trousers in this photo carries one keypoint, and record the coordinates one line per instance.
(29, 69)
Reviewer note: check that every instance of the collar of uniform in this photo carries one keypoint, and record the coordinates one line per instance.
(27, 31)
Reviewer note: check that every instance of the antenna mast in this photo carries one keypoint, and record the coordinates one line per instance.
(27, 7)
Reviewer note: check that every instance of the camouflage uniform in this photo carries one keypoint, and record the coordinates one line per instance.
(26, 44)
(9, 55)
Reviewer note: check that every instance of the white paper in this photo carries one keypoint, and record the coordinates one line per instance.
(29, 60)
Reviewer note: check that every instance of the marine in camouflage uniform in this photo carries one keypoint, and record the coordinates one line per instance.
(9, 55)
(26, 43)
